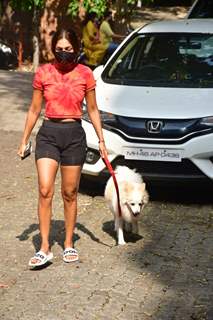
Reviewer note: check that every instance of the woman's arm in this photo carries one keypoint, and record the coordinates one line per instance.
(95, 119)
(31, 119)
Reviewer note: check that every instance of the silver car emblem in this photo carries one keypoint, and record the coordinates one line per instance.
(154, 126)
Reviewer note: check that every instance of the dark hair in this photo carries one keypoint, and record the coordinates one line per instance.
(69, 35)
(107, 14)
(90, 16)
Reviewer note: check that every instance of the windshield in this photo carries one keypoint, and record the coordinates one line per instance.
(164, 59)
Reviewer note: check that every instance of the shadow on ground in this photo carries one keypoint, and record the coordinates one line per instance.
(185, 193)
(91, 187)
(108, 227)
(182, 193)
(57, 234)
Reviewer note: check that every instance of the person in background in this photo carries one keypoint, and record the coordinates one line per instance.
(107, 35)
(93, 47)
(61, 140)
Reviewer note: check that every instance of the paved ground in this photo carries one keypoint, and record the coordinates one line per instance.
(146, 15)
(165, 273)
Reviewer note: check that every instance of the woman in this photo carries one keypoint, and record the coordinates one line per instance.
(93, 48)
(61, 139)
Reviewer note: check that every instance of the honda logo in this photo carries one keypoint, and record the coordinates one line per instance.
(154, 126)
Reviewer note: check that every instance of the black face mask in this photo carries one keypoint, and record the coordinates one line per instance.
(65, 57)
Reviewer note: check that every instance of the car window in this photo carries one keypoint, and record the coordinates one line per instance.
(202, 9)
(164, 59)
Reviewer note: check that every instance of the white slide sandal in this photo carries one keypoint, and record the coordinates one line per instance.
(41, 259)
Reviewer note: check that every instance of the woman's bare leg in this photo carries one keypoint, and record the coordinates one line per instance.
(70, 178)
(47, 169)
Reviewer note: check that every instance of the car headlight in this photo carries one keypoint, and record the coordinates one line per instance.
(207, 121)
(108, 119)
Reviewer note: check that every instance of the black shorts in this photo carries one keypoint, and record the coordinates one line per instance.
(64, 142)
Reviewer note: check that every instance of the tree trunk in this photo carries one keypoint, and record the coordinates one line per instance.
(55, 16)
(35, 39)
(123, 15)
(36, 52)
(48, 25)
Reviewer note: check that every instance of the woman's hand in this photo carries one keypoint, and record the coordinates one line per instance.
(21, 149)
(96, 120)
(102, 148)
(32, 117)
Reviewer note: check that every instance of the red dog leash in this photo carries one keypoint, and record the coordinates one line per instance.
(112, 172)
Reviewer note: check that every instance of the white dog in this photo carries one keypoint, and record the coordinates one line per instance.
(133, 198)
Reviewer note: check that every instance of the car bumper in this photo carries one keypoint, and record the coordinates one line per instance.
(196, 164)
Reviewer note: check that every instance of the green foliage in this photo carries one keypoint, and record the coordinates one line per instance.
(132, 2)
(27, 5)
(73, 8)
(147, 2)
(98, 6)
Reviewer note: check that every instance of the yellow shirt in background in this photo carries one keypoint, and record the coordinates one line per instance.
(106, 33)
(94, 51)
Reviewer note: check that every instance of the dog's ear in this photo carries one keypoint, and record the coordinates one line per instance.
(143, 186)
(146, 197)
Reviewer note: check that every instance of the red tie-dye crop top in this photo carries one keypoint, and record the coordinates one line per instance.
(63, 92)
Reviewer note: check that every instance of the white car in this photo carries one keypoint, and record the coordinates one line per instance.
(155, 95)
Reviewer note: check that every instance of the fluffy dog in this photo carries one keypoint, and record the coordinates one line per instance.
(133, 198)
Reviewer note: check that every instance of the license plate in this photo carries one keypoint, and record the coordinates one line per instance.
(154, 154)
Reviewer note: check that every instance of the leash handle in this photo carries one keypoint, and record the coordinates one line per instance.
(112, 172)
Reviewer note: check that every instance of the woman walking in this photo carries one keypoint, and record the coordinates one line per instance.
(61, 139)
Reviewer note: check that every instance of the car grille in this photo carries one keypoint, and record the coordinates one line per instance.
(159, 169)
(170, 132)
